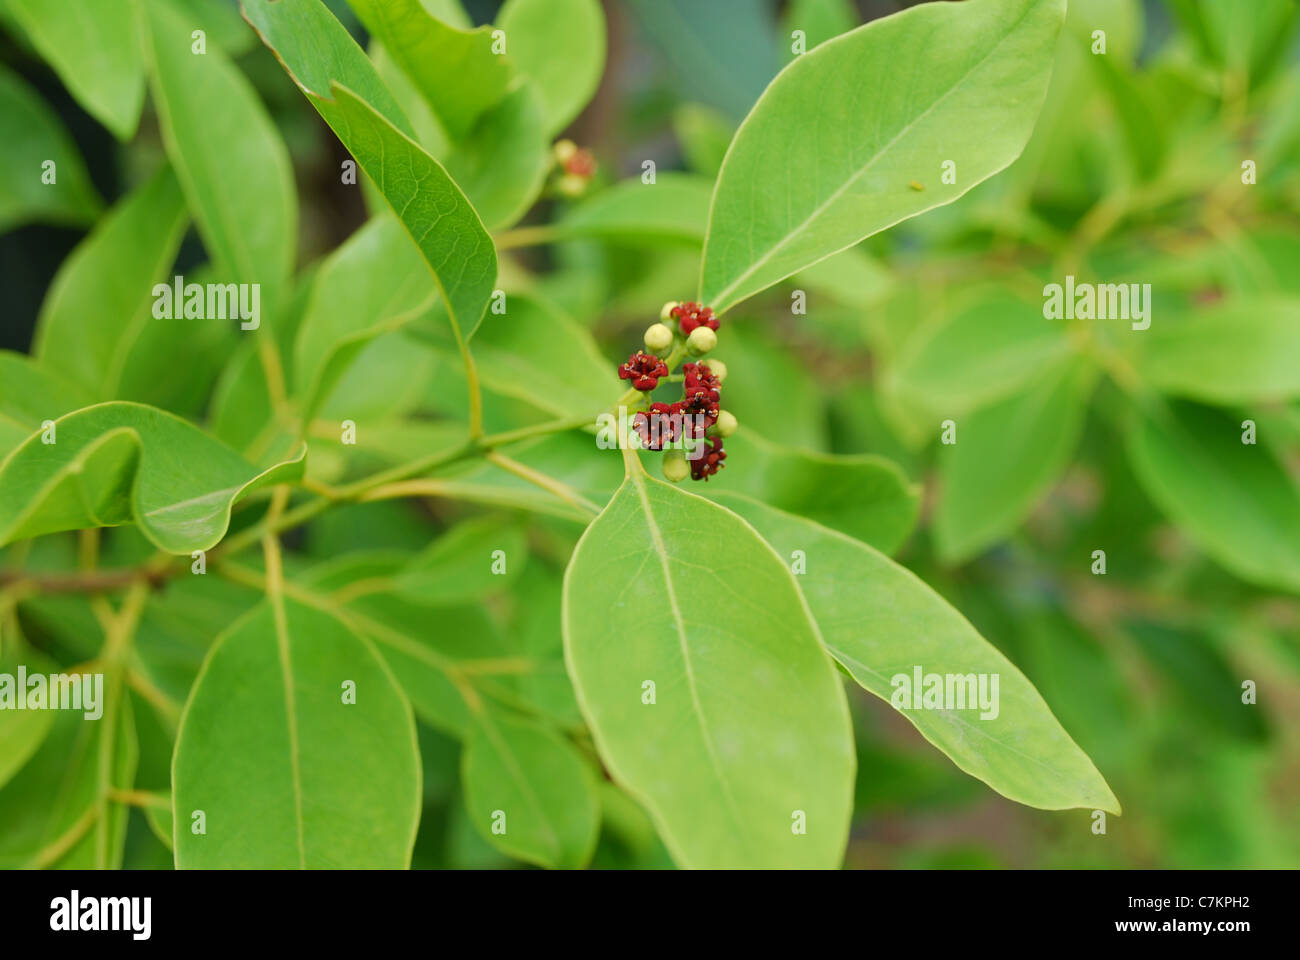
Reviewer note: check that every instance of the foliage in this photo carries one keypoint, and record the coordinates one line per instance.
(364, 538)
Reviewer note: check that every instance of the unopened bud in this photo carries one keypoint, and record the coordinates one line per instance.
(564, 151)
(675, 466)
(658, 338)
(666, 312)
(718, 369)
(701, 341)
(571, 185)
(726, 424)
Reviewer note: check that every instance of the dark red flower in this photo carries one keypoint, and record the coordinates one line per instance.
(709, 461)
(691, 315)
(699, 412)
(660, 425)
(697, 377)
(644, 370)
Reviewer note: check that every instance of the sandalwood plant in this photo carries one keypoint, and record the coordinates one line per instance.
(550, 515)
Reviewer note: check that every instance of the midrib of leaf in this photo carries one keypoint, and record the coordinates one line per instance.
(275, 594)
(839, 191)
(636, 476)
(383, 178)
(512, 762)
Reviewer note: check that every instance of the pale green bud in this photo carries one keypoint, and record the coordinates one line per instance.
(701, 341)
(658, 338)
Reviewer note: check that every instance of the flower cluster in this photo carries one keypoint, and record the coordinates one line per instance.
(574, 167)
(690, 430)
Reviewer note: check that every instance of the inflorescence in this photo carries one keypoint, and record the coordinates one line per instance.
(689, 431)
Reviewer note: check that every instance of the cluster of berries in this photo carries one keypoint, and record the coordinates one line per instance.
(689, 430)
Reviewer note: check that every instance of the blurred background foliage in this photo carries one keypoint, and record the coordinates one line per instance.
(1133, 174)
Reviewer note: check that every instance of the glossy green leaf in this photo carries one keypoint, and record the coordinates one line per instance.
(29, 395)
(286, 772)
(117, 463)
(537, 353)
(502, 162)
(675, 208)
(529, 792)
(471, 560)
(372, 284)
(1006, 457)
(977, 354)
(30, 136)
(456, 70)
(55, 808)
(663, 590)
(829, 152)
(345, 89)
(819, 20)
(1234, 499)
(703, 135)
(559, 45)
(851, 277)
(881, 622)
(229, 157)
(112, 273)
(1240, 351)
(864, 496)
(95, 51)
(21, 731)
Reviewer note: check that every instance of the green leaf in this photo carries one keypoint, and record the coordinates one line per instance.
(851, 277)
(529, 792)
(61, 786)
(502, 162)
(675, 208)
(539, 354)
(880, 621)
(559, 45)
(1241, 350)
(30, 135)
(21, 731)
(117, 463)
(372, 284)
(820, 20)
(440, 220)
(749, 724)
(286, 772)
(703, 135)
(433, 663)
(989, 347)
(94, 50)
(1006, 457)
(1234, 500)
(29, 395)
(1203, 681)
(112, 274)
(864, 496)
(456, 70)
(229, 157)
(827, 155)
(475, 558)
